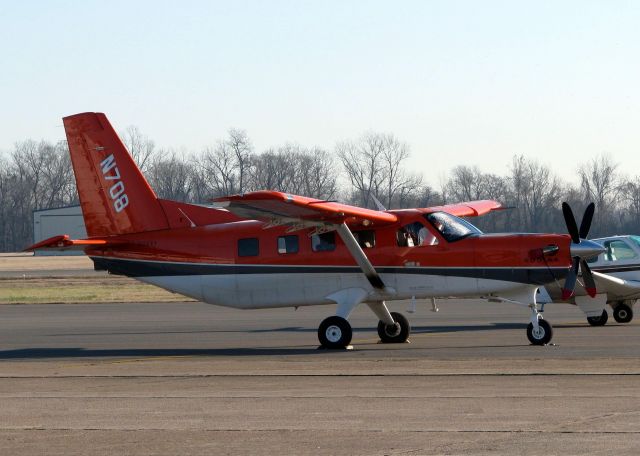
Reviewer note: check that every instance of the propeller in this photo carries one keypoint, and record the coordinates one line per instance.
(581, 249)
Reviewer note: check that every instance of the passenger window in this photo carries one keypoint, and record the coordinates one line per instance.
(324, 242)
(415, 234)
(366, 239)
(618, 250)
(288, 244)
(248, 247)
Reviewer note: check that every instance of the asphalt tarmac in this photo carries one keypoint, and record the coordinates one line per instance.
(189, 378)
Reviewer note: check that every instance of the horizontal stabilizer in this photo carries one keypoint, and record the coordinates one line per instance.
(63, 242)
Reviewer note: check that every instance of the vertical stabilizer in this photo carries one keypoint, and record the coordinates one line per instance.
(115, 196)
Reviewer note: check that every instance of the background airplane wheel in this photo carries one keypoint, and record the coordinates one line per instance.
(395, 334)
(334, 332)
(623, 313)
(599, 321)
(542, 336)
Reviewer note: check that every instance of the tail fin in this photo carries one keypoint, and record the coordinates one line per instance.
(115, 196)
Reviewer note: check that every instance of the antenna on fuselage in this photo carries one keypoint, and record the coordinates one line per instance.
(378, 203)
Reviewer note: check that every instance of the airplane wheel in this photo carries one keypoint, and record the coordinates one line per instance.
(334, 332)
(542, 336)
(395, 334)
(599, 321)
(622, 313)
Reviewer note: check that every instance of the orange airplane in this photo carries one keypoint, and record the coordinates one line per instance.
(269, 249)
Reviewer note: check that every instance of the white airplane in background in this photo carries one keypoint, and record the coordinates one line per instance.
(617, 275)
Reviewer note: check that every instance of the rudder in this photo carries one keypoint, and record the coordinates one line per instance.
(114, 195)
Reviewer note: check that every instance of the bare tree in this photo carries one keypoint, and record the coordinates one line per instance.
(225, 167)
(172, 177)
(139, 145)
(275, 169)
(374, 165)
(5, 214)
(294, 169)
(58, 177)
(467, 183)
(517, 188)
(362, 162)
(600, 183)
(37, 175)
(394, 155)
(239, 143)
(317, 173)
(426, 196)
(543, 193)
(630, 192)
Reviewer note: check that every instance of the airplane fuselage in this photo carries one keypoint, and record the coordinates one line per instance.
(207, 264)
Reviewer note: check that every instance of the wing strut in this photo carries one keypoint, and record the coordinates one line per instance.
(380, 309)
(361, 258)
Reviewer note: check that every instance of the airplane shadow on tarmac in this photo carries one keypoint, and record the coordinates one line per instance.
(77, 352)
(299, 329)
(74, 352)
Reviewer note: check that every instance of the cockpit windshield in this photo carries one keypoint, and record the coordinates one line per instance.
(451, 227)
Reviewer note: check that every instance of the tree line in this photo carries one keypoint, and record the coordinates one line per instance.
(371, 169)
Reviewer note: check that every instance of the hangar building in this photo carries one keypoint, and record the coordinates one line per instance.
(62, 220)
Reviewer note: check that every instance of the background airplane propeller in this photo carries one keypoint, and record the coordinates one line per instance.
(581, 249)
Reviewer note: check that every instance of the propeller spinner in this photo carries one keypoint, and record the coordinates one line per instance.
(581, 249)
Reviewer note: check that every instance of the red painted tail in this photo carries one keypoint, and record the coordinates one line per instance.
(115, 196)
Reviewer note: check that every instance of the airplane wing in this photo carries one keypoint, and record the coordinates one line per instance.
(468, 208)
(64, 242)
(614, 286)
(283, 208)
(277, 208)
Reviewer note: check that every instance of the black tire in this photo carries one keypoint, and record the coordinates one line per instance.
(623, 313)
(544, 334)
(599, 321)
(335, 332)
(396, 334)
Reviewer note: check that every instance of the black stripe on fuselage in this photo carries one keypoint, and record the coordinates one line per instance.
(145, 268)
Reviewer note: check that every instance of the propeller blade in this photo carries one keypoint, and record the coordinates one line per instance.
(570, 221)
(586, 220)
(587, 276)
(570, 281)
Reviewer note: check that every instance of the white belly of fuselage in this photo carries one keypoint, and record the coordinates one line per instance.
(255, 291)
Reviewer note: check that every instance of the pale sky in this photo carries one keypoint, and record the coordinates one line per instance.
(462, 82)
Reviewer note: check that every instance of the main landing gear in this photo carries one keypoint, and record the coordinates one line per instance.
(335, 332)
(600, 320)
(622, 313)
(394, 334)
